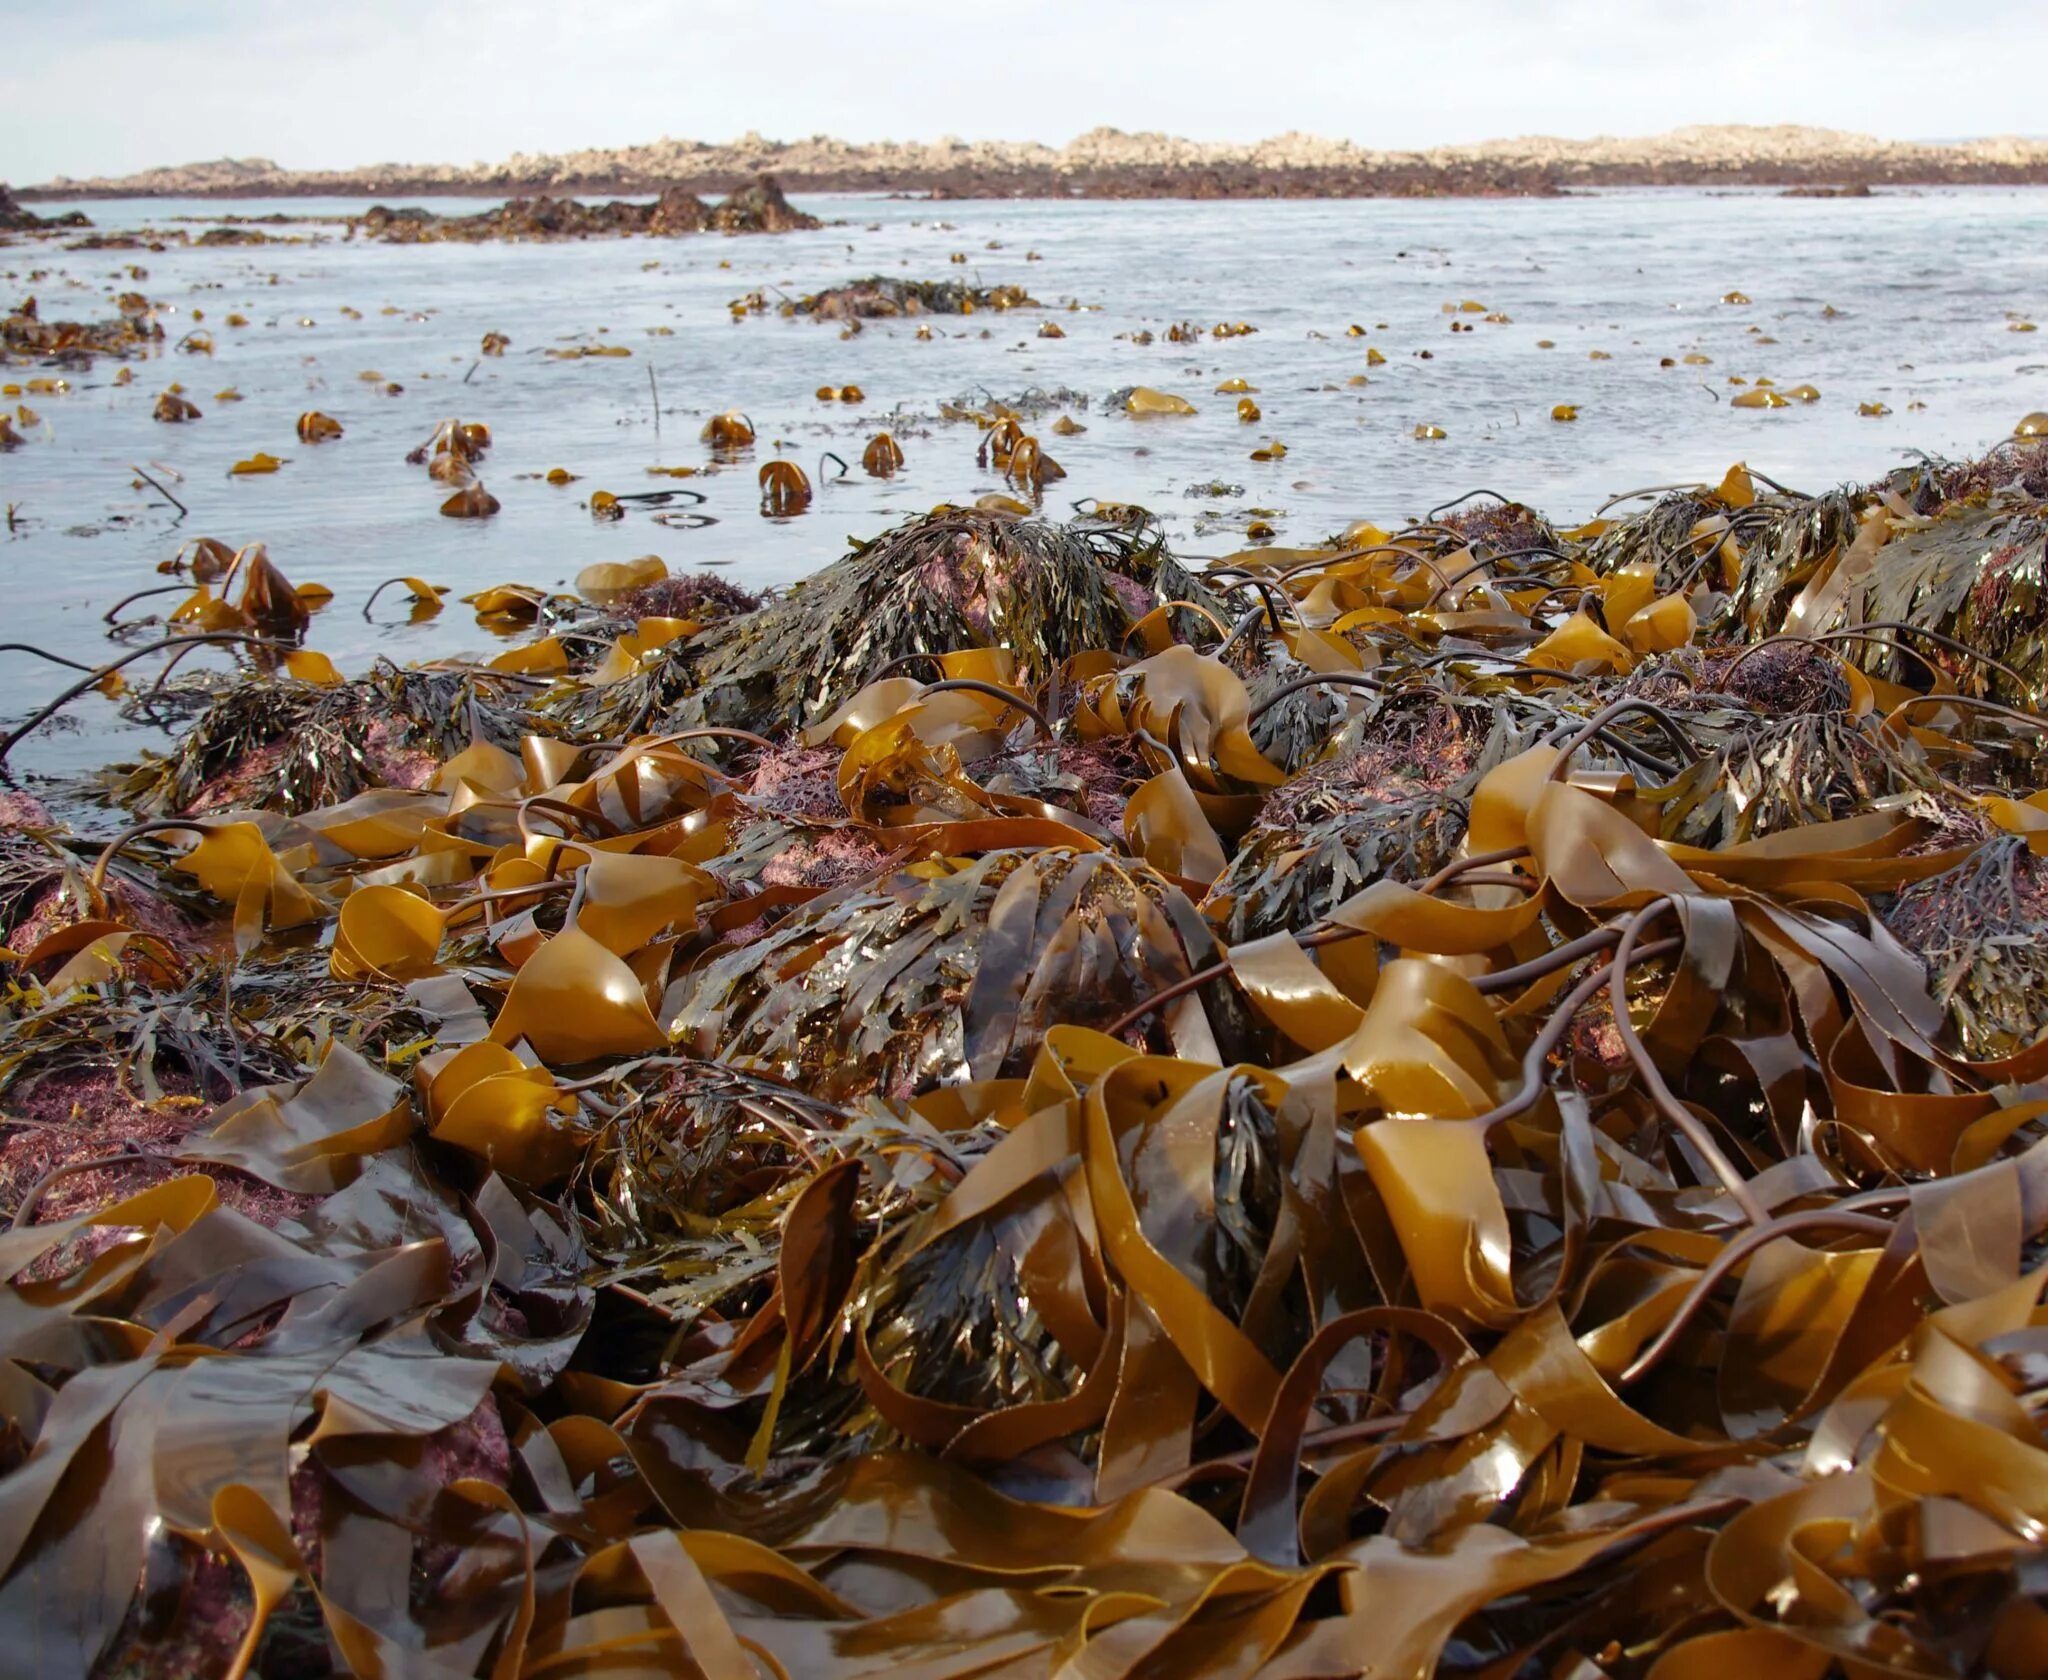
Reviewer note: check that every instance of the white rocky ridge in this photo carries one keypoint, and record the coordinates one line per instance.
(1707, 149)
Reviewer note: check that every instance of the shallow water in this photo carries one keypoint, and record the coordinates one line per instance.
(1926, 284)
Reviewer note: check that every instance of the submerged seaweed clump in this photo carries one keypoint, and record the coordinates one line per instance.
(881, 296)
(1464, 1101)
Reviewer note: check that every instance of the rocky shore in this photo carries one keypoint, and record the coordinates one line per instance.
(14, 219)
(1107, 163)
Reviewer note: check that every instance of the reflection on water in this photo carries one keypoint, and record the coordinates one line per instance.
(1906, 301)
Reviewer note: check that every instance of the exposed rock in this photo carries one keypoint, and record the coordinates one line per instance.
(14, 219)
(760, 208)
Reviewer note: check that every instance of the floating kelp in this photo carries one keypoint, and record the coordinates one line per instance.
(1465, 1100)
(24, 333)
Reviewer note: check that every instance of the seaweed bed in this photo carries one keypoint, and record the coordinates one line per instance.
(1470, 1100)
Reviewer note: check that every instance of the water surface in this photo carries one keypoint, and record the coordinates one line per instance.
(1924, 288)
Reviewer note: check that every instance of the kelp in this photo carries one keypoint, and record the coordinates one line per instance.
(1462, 1101)
(26, 335)
(880, 987)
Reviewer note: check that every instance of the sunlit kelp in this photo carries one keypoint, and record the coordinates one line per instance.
(1450, 1100)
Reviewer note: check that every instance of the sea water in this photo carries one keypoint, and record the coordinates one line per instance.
(1907, 299)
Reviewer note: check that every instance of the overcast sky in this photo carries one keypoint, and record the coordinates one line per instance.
(107, 86)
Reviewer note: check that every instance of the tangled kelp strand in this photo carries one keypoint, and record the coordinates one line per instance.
(1458, 1100)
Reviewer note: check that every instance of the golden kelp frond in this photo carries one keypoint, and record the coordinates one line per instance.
(1462, 1100)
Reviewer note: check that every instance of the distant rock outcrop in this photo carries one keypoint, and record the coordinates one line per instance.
(1108, 163)
(14, 219)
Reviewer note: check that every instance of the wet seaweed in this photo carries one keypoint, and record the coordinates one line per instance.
(1435, 1104)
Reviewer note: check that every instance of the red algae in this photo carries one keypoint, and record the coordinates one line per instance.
(61, 1119)
(830, 857)
(692, 595)
(797, 782)
(23, 811)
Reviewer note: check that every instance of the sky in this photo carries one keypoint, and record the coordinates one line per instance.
(108, 86)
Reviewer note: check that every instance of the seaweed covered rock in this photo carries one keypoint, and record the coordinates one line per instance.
(1941, 546)
(1392, 807)
(759, 208)
(228, 236)
(947, 970)
(967, 1321)
(1490, 525)
(1981, 931)
(291, 746)
(694, 595)
(883, 296)
(1767, 771)
(407, 225)
(16, 219)
(1968, 574)
(677, 211)
(956, 579)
